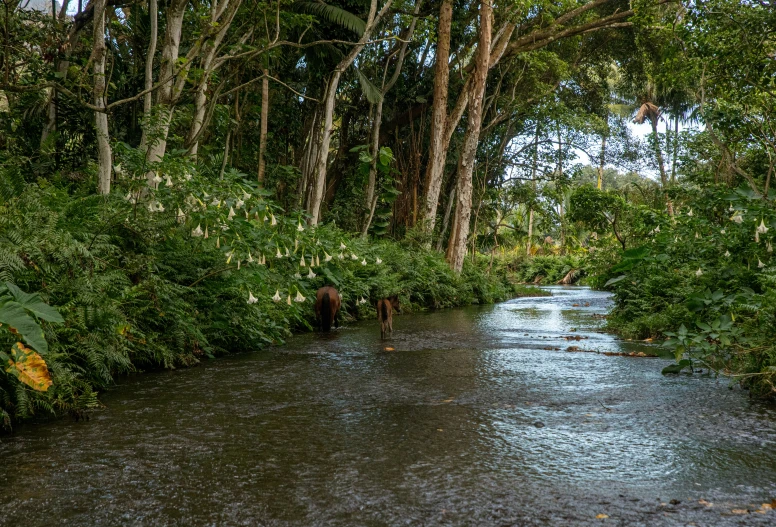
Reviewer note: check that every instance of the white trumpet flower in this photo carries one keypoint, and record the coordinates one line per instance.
(299, 227)
(757, 236)
(216, 202)
(341, 256)
(727, 254)
(288, 253)
(690, 213)
(239, 203)
(273, 221)
(278, 255)
(326, 257)
(231, 213)
(187, 176)
(769, 247)
(167, 181)
(760, 265)
(737, 218)
(378, 261)
(156, 180)
(246, 196)
(363, 262)
(353, 256)
(657, 229)
(229, 257)
(299, 297)
(197, 232)
(276, 298)
(250, 258)
(238, 264)
(343, 246)
(207, 235)
(301, 261)
(317, 261)
(252, 299)
(218, 242)
(311, 274)
(180, 217)
(762, 229)
(698, 272)
(722, 231)
(288, 299)
(697, 236)
(247, 216)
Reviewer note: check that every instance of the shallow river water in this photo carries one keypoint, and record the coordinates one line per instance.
(469, 420)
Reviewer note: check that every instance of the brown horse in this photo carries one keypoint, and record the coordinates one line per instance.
(385, 309)
(327, 306)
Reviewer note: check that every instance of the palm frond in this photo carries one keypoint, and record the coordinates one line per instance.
(372, 93)
(333, 14)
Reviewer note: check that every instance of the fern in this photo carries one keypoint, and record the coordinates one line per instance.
(333, 14)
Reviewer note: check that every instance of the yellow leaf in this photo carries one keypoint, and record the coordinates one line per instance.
(706, 503)
(601, 517)
(29, 368)
(740, 511)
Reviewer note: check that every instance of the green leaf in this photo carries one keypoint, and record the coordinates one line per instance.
(615, 280)
(372, 92)
(32, 302)
(333, 14)
(13, 314)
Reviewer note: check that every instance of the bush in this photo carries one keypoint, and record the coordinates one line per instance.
(165, 278)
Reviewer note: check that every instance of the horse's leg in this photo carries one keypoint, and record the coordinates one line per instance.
(336, 318)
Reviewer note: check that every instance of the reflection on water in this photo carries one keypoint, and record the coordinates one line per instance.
(480, 416)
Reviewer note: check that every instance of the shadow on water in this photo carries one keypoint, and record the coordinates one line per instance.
(478, 416)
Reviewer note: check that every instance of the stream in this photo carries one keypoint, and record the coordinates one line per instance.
(473, 416)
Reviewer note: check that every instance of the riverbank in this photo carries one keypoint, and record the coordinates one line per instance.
(141, 289)
(468, 419)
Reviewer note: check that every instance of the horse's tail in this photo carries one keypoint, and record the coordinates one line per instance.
(384, 307)
(325, 312)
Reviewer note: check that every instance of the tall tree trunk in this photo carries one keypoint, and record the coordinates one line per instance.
(166, 96)
(446, 219)
(661, 166)
(601, 162)
(221, 16)
(153, 13)
(371, 192)
(676, 150)
(319, 173)
(533, 185)
(437, 153)
(62, 66)
(105, 156)
(471, 138)
(264, 117)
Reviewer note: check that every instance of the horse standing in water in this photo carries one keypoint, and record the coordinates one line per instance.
(327, 306)
(385, 309)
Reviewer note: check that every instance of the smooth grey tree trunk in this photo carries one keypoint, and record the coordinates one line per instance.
(153, 13)
(105, 156)
(319, 173)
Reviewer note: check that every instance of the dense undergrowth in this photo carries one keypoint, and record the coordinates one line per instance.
(198, 268)
(703, 280)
